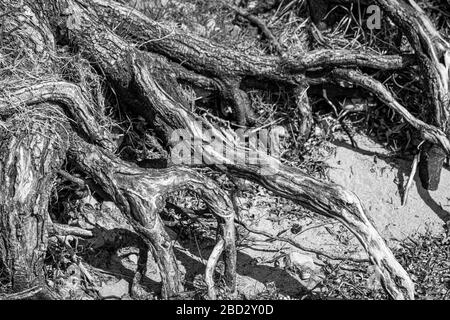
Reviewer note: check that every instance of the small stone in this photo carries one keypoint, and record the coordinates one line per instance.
(305, 275)
(235, 31)
(301, 261)
(109, 206)
(115, 290)
(133, 258)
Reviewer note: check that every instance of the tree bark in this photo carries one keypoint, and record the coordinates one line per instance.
(143, 63)
(30, 155)
(160, 103)
(140, 194)
(433, 53)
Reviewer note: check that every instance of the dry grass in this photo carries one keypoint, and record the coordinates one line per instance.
(426, 258)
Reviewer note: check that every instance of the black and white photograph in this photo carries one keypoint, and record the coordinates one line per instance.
(216, 158)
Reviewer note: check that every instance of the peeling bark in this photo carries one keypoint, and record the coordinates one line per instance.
(71, 97)
(169, 113)
(30, 155)
(213, 59)
(140, 194)
(144, 71)
(433, 53)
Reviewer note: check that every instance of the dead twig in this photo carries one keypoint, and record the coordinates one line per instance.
(299, 246)
(259, 23)
(410, 179)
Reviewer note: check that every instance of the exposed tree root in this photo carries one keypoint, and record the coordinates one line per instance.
(428, 132)
(32, 150)
(211, 266)
(25, 294)
(433, 54)
(140, 194)
(140, 201)
(144, 72)
(205, 57)
(72, 98)
(159, 101)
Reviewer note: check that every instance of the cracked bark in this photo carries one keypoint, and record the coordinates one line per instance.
(144, 71)
(161, 104)
(28, 165)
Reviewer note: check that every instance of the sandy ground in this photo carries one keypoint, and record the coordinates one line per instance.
(378, 181)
